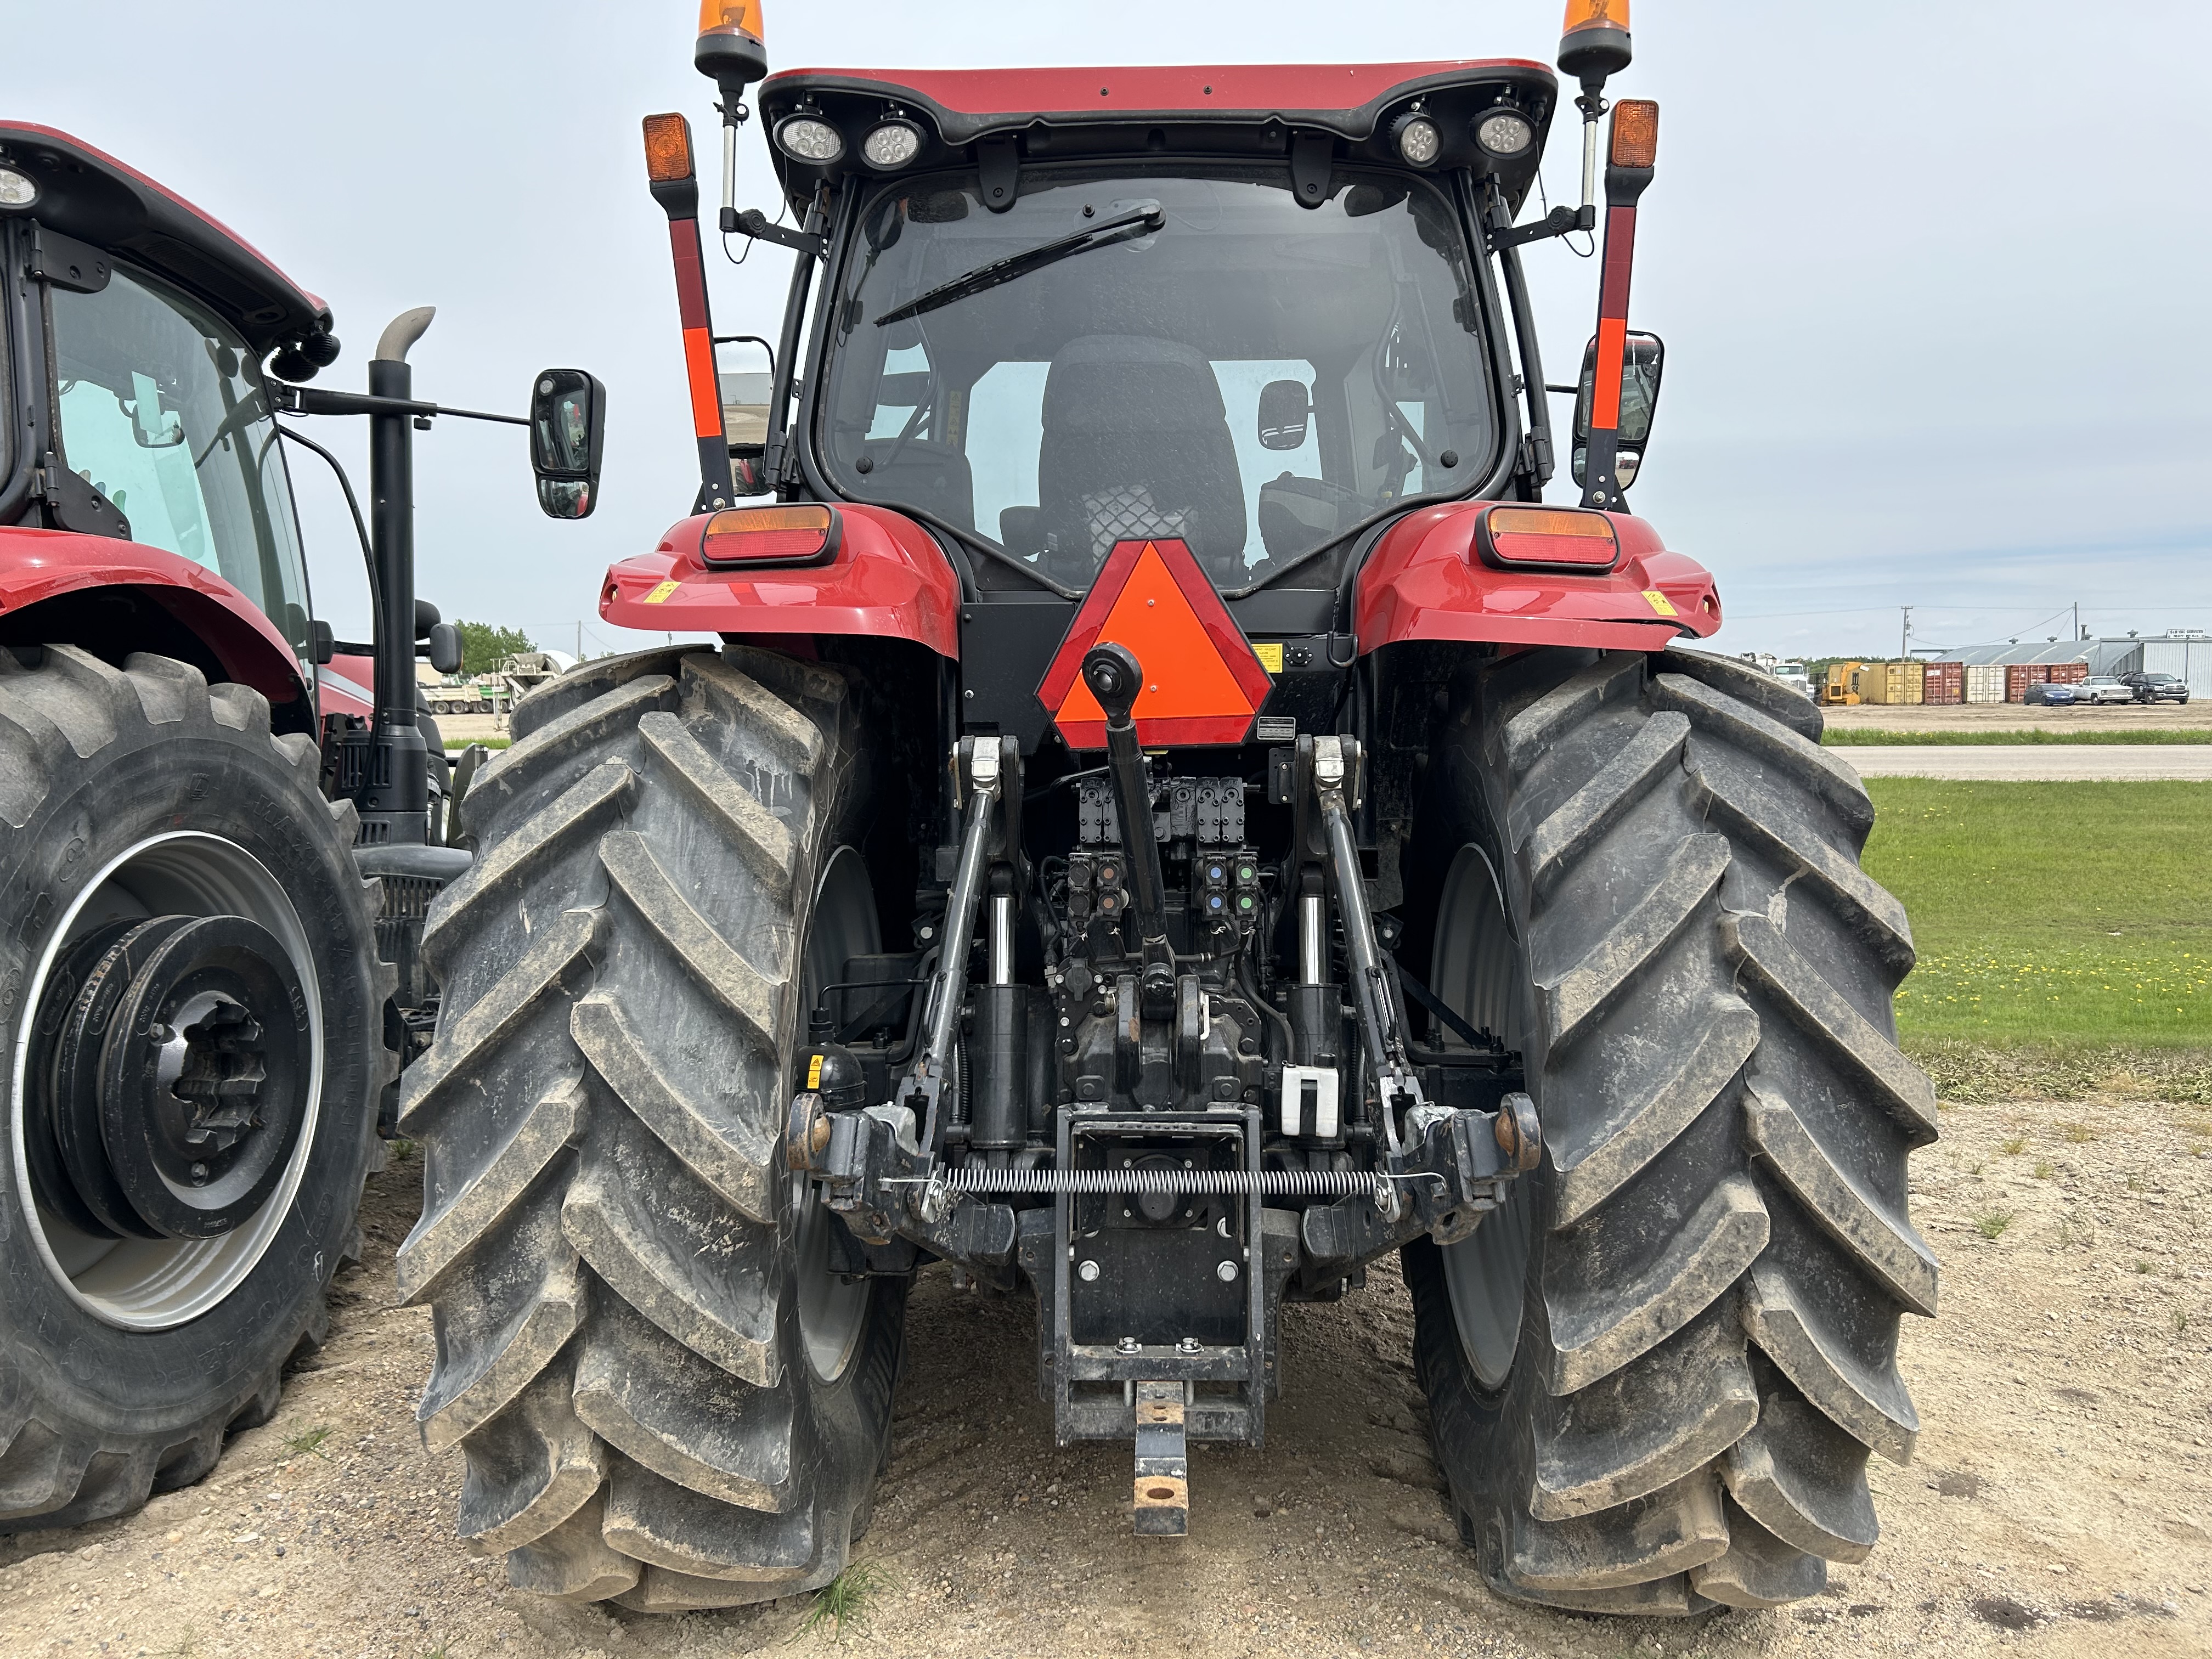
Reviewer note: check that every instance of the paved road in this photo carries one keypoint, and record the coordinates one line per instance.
(2016, 762)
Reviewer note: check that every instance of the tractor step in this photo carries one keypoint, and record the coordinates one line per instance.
(1161, 1507)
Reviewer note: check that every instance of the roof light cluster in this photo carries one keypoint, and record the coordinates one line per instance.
(16, 189)
(892, 144)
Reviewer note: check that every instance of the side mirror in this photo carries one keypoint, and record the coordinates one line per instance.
(446, 648)
(567, 431)
(1284, 410)
(324, 643)
(1641, 359)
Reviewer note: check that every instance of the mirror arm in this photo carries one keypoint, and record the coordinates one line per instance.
(321, 400)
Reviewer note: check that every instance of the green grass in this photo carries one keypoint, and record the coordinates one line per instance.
(2052, 916)
(848, 1599)
(1863, 737)
(455, 749)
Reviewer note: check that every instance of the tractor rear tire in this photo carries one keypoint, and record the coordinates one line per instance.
(664, 1396)
(1655, 1375)
(134, 1334)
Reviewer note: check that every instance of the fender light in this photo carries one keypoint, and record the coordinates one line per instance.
(747, 536)
(1546, 537)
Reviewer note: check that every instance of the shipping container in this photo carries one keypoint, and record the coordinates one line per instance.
(2018, 676)
(1891, 683)
(2069, 673)
(1985, 682)
(1944, 683)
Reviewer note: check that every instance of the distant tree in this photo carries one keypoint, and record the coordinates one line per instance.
(483, 646)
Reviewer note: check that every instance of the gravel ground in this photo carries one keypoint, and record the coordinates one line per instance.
(2061, 1504)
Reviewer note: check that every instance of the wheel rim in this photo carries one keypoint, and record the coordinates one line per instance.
(1476, 969)
(252, 1171)
(832, 1308)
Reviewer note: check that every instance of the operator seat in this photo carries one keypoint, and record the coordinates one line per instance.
(1136, 442)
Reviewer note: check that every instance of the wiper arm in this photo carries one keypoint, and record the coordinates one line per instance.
(1129, 225)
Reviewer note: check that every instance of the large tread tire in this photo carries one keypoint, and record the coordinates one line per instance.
(1718, 1246)
(95, 760)
(608, 1232)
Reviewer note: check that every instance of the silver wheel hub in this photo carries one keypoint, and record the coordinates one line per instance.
(833, 1308)
(197, 1111)
(1476, 969)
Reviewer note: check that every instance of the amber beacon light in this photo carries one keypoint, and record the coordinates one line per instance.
(1594, 40)
(733, 49)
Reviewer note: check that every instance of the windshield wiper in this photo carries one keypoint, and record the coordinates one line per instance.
(1129, 225)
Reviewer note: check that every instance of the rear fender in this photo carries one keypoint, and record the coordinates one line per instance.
(887, 580)
(1425, 581)
(112, 597)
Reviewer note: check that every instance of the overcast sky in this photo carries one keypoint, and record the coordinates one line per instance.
(1925, 273)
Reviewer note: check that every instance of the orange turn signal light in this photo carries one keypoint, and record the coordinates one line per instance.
(1635, 133)
(807, 533)
(668, 148)
(1547, 538)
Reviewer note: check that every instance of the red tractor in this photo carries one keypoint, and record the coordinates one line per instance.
(1172, 819)
(206, 995)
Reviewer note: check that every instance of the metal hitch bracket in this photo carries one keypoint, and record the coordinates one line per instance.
(1161, 1506)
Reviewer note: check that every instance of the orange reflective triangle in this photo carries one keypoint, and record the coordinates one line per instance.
(1202, 682)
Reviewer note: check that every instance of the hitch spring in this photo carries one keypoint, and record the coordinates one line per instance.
(1270, 1183)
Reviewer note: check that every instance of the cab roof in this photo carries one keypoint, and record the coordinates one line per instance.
(1061, 111)
(87, 194)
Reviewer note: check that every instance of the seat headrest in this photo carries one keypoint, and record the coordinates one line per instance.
(1121, 383)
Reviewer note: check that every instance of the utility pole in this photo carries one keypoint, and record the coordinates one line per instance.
(580, 640)
(2078, 634)
(1904, 640)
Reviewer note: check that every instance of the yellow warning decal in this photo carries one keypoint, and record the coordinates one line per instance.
(1660, 603)
(1270, 654)
(660, 593)
(814, 1071)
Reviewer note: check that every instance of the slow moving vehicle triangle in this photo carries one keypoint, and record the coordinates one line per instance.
(1202, 682)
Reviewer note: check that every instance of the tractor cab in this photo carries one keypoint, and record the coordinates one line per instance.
(1166, 315)
(135, 338)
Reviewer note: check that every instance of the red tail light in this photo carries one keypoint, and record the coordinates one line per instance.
(807, 534)
(1546, 537)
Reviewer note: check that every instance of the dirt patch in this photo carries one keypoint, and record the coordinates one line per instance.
(2060, 1503)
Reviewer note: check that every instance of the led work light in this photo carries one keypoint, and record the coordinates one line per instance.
(809, 139)
(1417, 140)
(16, 190)
(1505, 132)
(890, 146)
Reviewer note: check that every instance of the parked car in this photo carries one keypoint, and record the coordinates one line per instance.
(2103, 689)
(2157, 688)
(2054, 696)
